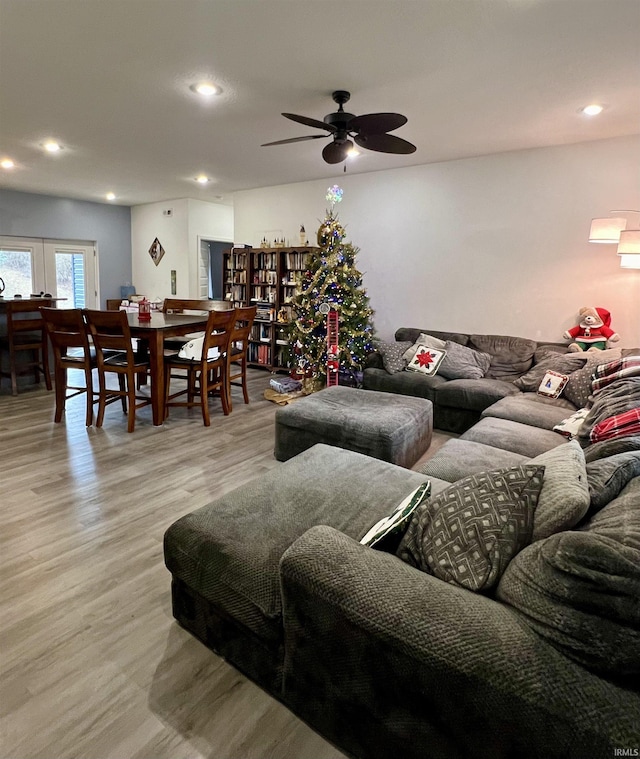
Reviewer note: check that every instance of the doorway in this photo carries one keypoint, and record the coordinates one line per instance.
(211, 268)
(65, 269)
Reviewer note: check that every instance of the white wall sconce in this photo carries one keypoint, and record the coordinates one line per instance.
(606, 230)
(613, 230)
(629, 249)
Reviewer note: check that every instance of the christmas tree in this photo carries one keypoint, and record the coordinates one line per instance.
(331, 281)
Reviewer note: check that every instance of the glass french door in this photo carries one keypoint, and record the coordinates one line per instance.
(61, 268)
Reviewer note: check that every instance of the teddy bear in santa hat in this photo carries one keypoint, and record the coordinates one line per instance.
(593, 331)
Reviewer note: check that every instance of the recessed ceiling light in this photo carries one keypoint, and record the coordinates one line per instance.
(202, 179)
(52, 147)
(207, 89)
(7, 163)
(592, 110)
(111, 196)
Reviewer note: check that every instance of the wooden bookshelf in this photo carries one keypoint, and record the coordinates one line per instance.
(268, 278)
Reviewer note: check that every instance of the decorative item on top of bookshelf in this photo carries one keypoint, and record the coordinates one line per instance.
(332, 280)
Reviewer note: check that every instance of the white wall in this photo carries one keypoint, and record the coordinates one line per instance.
(496, 244)
(179, 235)
(209, 221)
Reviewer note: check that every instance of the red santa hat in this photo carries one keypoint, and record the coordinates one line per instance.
(604, 315)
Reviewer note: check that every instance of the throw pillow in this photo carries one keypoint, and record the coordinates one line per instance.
(392, 355)
(426, 360)
(564, 363)
(605, 374)
(618, 398)
(579, 591)
(564, 498)
(625, 424)
(463, 363)
(607, 448)
(470, 531)
(609, 476)
(395, 522)
(552, 384)
(423, 339)
(578, 389)
(570, 426)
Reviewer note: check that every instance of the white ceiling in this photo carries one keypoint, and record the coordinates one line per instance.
(109, 79)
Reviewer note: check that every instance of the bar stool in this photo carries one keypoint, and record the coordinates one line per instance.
(24, 343)
(209, 372)
(67, 333)
(239, 348)
(110, 331)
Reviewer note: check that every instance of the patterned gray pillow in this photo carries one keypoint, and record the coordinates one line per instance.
(463, 363)
(393, 355)
(578, 388)
(469, 532)
(564, 363)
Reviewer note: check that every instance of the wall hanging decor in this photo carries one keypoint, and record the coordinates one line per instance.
(156, 251)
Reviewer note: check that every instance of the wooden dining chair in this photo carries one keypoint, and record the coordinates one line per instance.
(111, 336)
(181, 306)
(238, 352)
(208, 374)
(24, 343)
(67, 334)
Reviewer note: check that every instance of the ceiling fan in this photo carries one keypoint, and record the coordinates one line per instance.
(369, 131)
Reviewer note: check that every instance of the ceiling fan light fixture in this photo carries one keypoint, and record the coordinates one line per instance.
(353, 152)
(370, 131)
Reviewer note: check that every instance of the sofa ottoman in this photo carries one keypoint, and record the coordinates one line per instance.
(224, 557)
(396, 429)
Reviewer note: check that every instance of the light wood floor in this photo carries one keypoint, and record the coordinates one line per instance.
(92, 664)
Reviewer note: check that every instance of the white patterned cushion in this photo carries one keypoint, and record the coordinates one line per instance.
(423, 339)
(426, 360)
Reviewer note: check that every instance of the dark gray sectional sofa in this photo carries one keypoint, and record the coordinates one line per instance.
(459, 403)
(385, 660)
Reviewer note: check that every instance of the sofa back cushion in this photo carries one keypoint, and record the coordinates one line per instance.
(412, 334)
(510, 356)
(579, 590)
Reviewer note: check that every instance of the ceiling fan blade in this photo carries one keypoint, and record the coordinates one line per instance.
(310, 122)
(377, 123)
(295, 139)
(385, 143)
(336, 152)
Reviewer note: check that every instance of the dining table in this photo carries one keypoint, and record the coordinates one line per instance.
(153, 333)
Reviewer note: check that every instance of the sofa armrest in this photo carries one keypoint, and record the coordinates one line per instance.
(385, 660)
